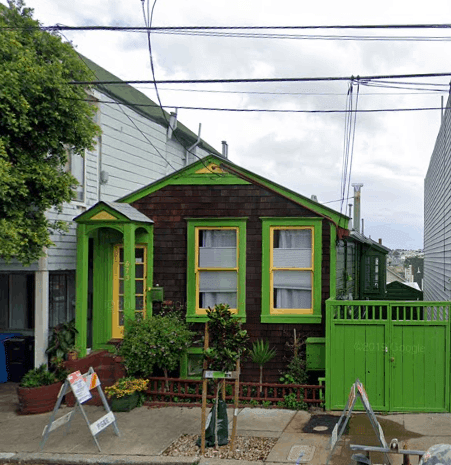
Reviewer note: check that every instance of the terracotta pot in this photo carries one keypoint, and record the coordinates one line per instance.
(72, 356)
(38, 400)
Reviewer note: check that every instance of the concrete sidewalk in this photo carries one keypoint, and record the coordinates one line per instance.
(147, 432)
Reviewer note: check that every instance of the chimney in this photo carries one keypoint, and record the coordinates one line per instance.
(380, 241)
(225, 149)
(357, 206)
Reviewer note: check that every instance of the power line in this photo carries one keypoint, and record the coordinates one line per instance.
(258, 80)
(61, 27)
(272, 110)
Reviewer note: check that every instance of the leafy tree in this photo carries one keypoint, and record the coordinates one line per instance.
(228, 342)
(42, 117)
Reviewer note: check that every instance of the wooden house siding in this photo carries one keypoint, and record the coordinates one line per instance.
(170, 207)
(437, 217)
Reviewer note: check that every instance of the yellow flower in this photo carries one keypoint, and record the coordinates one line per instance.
(126, 386)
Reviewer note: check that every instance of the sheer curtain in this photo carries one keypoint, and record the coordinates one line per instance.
(217, 249)
(292, 249)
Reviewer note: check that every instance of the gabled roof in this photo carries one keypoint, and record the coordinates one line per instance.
(112, 211)
(368, 241)
(213, 170)
(139, 102)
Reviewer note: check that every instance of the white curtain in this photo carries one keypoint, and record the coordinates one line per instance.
(217, 249)
(292, 249)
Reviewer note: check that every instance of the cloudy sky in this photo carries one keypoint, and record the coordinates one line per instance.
(301, 150)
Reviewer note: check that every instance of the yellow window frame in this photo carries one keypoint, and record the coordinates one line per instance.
(272, 268)
(198, 269)
(117, 330)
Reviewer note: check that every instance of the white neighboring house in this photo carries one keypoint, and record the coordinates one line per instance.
(437, 216)
(137, 146)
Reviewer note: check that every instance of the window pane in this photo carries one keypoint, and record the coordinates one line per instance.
(121, 286)
(139, 302)
(292, 279)
(121, 255)
(139, 271)
(139, 255)
(210, 299)
(218, 281)
(121, 271)
(77, 164)
(121, 302)
(292, 248)
(139, 286)
(121, 318)
(292, 289)
(217, 249)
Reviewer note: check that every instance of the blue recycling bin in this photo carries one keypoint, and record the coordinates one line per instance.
(3, 368)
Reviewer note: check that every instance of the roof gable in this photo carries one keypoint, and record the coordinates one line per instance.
(213, 170)
(112, 212)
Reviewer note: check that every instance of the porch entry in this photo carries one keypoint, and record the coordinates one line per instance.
(399, 351)
(120, 275)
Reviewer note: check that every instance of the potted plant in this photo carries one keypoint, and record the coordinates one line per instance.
(39, 388)
(62, 340)
(126, 393)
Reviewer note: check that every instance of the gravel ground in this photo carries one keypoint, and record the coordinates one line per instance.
(246, 448)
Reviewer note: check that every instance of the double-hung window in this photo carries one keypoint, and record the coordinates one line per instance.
(216, 266)
(291, 270)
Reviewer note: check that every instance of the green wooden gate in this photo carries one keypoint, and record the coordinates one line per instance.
(398, 350)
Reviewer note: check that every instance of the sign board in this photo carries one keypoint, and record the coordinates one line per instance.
(80, 386)
(340, 426)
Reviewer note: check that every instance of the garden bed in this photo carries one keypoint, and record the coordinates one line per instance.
(176, 391)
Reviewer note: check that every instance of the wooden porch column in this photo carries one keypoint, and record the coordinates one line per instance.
(81, 281)
(129, 273)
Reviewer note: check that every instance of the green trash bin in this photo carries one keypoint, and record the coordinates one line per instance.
(219, 417)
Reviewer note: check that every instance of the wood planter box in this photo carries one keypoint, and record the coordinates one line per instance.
(39, 399)
(126, 403)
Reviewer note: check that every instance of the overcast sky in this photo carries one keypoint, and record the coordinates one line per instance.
(302, 151)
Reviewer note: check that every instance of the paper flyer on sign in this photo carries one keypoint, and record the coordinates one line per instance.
(79, 387)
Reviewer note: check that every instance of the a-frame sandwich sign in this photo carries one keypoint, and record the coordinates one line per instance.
(357, 390)
(80, 386)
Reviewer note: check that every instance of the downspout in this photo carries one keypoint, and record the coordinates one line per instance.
(188, 150)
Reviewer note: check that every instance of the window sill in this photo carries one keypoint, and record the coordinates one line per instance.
(304, 319)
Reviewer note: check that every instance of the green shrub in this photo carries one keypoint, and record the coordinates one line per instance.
(154, 341)
(37, 377)
(290, 401)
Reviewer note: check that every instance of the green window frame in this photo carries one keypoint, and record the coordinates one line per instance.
(270, 314)
(195, 312)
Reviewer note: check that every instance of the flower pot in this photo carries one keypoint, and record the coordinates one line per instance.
(125, 403)
(72, 356)
(39, 399)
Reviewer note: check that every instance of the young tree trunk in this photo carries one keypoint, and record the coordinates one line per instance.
(216, 413)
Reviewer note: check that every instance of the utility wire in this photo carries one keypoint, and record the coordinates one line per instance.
(255, 80)
(270, 110)
(61, 27)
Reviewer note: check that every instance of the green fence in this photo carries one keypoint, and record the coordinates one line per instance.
(398, 350)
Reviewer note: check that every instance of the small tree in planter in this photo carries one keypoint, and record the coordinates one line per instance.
(155, 341)
(228, 344)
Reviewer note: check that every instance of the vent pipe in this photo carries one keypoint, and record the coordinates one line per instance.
(356, 222)
(225, 149)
